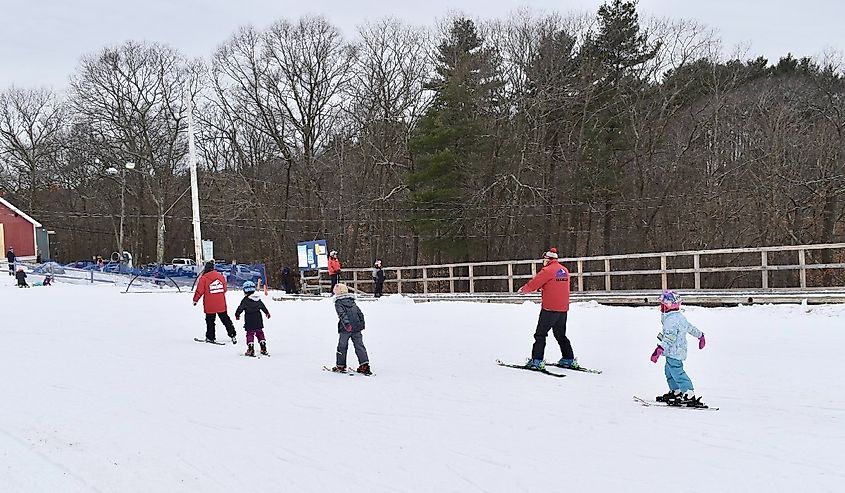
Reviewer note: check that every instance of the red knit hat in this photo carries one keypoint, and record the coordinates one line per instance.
(552, 253)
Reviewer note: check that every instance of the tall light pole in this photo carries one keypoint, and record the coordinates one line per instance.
(113, 171)
(195, 200)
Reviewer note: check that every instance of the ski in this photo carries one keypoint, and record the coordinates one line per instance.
(646, 403)
(210, 342)
(580, 368)
(347, 372)
(523, 367)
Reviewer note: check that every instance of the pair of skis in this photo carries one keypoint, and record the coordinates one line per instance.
(348, 371)
(646, 403)
(213, 342)
(545, 371)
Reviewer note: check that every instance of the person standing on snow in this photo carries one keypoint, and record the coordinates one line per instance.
(21, 277)
(252, 306)
(334, 269)
(349, 326)
(553, 281)
(673, 345)
(211, 287)
(378, 279)
(10, 257)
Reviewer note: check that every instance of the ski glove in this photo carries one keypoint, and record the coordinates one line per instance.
(237, 317)
(195, 303)
(348, 327)
(268, 315)
(656, 354)
(701, 342)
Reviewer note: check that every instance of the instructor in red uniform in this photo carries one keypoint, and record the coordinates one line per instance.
(334, 269)
(553, 282)
(211, 287)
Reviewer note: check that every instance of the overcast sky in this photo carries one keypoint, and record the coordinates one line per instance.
(41, 41)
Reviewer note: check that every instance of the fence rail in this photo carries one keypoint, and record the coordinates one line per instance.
(793, 267)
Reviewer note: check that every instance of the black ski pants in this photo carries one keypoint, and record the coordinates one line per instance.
(335, 279)
(378, 289)
(209, 325)
(556, 322)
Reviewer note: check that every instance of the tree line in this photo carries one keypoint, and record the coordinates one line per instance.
(470, 140)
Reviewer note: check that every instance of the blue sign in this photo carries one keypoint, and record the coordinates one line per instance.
(312, 255)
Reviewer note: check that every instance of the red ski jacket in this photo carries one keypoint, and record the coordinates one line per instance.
(553, 280)
(211, 287)
(334, 266)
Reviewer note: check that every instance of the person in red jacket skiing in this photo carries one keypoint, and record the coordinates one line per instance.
(553, 282)
(334, 269)
(211, 287)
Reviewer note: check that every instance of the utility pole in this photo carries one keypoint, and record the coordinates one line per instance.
(195, 199)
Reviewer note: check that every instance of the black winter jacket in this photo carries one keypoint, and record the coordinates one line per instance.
(252, 306)
(21, 277)
(10, 256)
(348, 313)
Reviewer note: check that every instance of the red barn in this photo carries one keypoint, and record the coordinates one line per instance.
(21, 231)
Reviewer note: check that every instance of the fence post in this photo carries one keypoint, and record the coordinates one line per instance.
(580, 275)
(355, 280)
(696, 265)
(533, 269)
(607, 274)
(399, 280)
(471, 281)
(510, 278)
(92, 277)
(664, 278)
(802, 264)
(764, 275)
(425, 280)
(451, 280)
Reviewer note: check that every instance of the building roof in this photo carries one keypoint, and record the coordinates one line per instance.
(19, 212)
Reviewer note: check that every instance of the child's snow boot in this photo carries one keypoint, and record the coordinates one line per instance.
(339, 369)
(364, 368)
(250, 349)
(535, 364)
(263, 345)
(234, 340)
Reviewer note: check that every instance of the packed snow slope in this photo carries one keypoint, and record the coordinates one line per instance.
(104, 391)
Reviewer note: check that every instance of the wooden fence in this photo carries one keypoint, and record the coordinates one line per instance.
(798, 267)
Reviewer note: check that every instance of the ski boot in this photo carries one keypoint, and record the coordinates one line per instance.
(535, 364)
(364, 368)
(569, 363)
(339, 369)
(263, 345)
(690, 400)
(250, 350)
(234, 340)
(668, 396)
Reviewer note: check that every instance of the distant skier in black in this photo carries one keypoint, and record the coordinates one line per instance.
(21, 277)
(349, 326)
(288, 284)
(10, 257)
(378, 279)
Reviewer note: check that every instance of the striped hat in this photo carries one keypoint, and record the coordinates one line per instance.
(552, 253)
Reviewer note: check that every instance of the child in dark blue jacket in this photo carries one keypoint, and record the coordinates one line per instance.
(349, 326)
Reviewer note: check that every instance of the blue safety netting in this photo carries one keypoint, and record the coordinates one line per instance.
(236, 274)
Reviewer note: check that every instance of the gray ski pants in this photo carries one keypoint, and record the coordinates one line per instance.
(343, 345)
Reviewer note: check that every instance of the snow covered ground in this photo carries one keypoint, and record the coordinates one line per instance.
(103, 391)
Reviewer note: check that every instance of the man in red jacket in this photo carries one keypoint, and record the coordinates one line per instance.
(334, 269)
(211, 287)
(553, 281)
